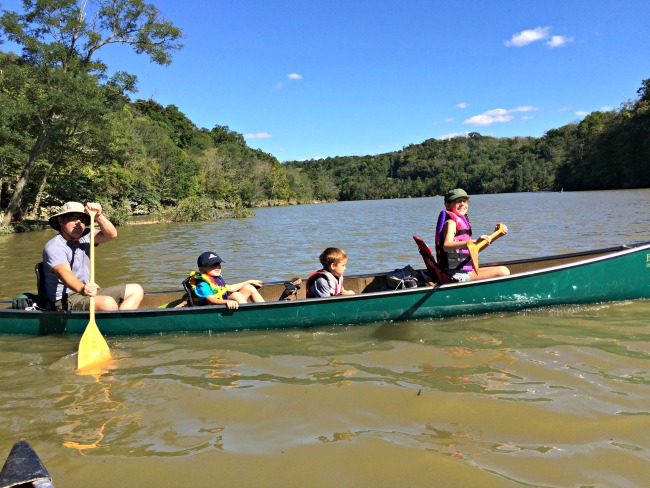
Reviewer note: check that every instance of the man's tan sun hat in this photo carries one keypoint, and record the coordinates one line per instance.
(68, 208)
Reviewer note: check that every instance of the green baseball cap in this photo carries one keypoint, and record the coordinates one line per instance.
(454, 194)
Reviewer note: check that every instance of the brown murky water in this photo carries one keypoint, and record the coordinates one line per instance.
(555, 397)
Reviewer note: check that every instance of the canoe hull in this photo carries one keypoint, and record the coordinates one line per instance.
(621, 275)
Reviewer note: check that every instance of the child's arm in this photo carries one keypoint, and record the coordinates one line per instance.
(321, 287)
(449, 231)
(504, 230)
(204, 291)
(231, 304)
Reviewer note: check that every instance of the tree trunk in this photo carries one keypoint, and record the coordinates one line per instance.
(14, 203)
(41, 189)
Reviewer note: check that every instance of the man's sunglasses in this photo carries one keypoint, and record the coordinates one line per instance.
(76, 218)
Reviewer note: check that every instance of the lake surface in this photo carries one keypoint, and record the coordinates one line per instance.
(554, 397)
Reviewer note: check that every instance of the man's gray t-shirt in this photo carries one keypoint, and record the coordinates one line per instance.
(59, 251)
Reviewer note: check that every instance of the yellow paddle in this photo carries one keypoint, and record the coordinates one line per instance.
(92, 347)
(474, 248)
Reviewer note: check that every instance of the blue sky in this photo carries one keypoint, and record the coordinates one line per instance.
(312, 79)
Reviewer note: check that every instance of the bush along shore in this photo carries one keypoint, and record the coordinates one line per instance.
(188, 210)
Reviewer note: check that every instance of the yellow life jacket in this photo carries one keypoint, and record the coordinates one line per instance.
(217, 285)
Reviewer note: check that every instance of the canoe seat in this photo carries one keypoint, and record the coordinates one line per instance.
(437, 275)
(42, 301)
(291, 289)
(191, 299)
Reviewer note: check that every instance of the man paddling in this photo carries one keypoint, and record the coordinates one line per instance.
(66, 263)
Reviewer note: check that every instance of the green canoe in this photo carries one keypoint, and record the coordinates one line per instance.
(620, 273)
(24, 469)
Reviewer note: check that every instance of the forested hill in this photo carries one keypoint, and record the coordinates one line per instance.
(606, 150)
(69, 131)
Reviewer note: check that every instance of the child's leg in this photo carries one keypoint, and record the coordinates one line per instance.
(238, 297)
(246, 292)
(491, 272)
(249, 291)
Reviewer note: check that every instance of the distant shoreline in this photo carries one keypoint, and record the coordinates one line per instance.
(29, 225)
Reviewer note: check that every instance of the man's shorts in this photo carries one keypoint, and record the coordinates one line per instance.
(77, 301)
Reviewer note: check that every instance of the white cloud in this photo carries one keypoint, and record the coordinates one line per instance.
(525, 108)
(557, 41)
(581, 113)
(496, 112)
(528, 36)
(453, 135)
(444, 121)
(462, 105)
(498, 115)
(259, 135)
(294, 76)
(485, 119)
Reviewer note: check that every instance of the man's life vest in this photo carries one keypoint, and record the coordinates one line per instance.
(457, 261)
(336, 284)
(217, 285)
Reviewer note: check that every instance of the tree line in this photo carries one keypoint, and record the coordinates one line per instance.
(606, 150)
(68, 131)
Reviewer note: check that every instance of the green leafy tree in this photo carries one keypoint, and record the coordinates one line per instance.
(60, 40)
(181, 129)
(222, 134)
(277, 182)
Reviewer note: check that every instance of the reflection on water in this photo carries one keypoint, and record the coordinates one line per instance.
(553, 397)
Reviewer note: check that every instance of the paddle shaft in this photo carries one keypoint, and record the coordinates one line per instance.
(475, 248)
(92, 263)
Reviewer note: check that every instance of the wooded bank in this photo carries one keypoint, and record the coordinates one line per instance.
(70, 132)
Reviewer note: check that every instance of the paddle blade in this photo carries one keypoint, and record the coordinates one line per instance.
(93, 348)
(473, 254)
(475, 248)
